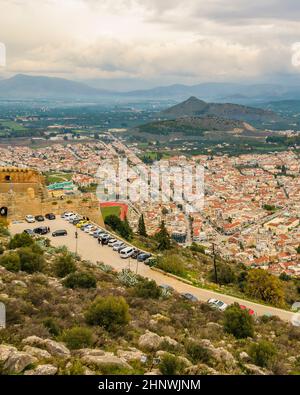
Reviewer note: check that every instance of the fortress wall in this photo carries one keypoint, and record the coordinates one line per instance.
(20, 205)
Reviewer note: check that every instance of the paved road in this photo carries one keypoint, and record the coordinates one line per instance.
(89, 249)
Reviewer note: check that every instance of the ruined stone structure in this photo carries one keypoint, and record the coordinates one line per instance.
(23, 192)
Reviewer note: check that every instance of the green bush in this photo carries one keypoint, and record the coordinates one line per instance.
(80, 280)
(238, 322)
(52, 326)
(1, 249)
(20, 240)
(225, 273)
(197, 248)
(262, 353)
(172, 264)
(30, 260)
(11, 262)
(110, 312)
(78, 337)
(147, 289)
(64, 265)
(170, 365)
(197, 353)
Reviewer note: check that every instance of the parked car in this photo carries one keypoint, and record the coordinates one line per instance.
(166, 287)
(39, 218)
(61, 232)
(105, 239)
(98, 232)
(126, 252)
(68, 215)
(250, 311)
(30, 232)
(112, 242)
(118, 245)
(50, 216)
(189, 296)
(87, 228)
(136, 253)
(143, 256)
(218, 304)
(30, 219)
(41, 230)
(81, 223)
(121, 247)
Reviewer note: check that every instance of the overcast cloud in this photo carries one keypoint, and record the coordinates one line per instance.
(165, 40)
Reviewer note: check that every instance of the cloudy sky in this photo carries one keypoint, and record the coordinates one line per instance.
(163, 41)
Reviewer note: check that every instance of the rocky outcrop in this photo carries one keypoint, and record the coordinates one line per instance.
(37, 352)
(42, 370)
(152, 341)
(106, 359)
(5, 352)
(200, 369)
(256, 370)
(18, 361)
(244, 357)
(220, 354)
(54, 348)
(132, 354)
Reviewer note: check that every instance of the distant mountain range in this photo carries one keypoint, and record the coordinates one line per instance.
(27, 87)
(35, 87)
(194, 107)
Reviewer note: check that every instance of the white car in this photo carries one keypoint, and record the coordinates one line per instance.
(126, 252)
(30, 219)
(66, 216)
(88, 228)
(112, 242)
(118, 245)
(218, 304)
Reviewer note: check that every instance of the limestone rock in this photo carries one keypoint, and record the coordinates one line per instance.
(132, 354)
(154, 372)
(256, 370)
(34, 341)
(18, 361)
(107, 359)
(171, 342)
(200, 369)
(219, 353)
(42, 370)
(150, 341)
(244, 357)
(19, 283)
(56, 349)
(5, 352)
(37, 352)
(83, 352)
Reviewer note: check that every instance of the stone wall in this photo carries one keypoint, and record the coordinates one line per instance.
(21, 204)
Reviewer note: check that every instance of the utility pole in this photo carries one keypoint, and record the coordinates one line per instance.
(215, 264)
(76, 240)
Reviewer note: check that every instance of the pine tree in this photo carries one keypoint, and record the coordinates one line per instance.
(163, 238)
(141, 227)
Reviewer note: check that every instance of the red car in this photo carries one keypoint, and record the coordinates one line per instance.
(250, 311)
